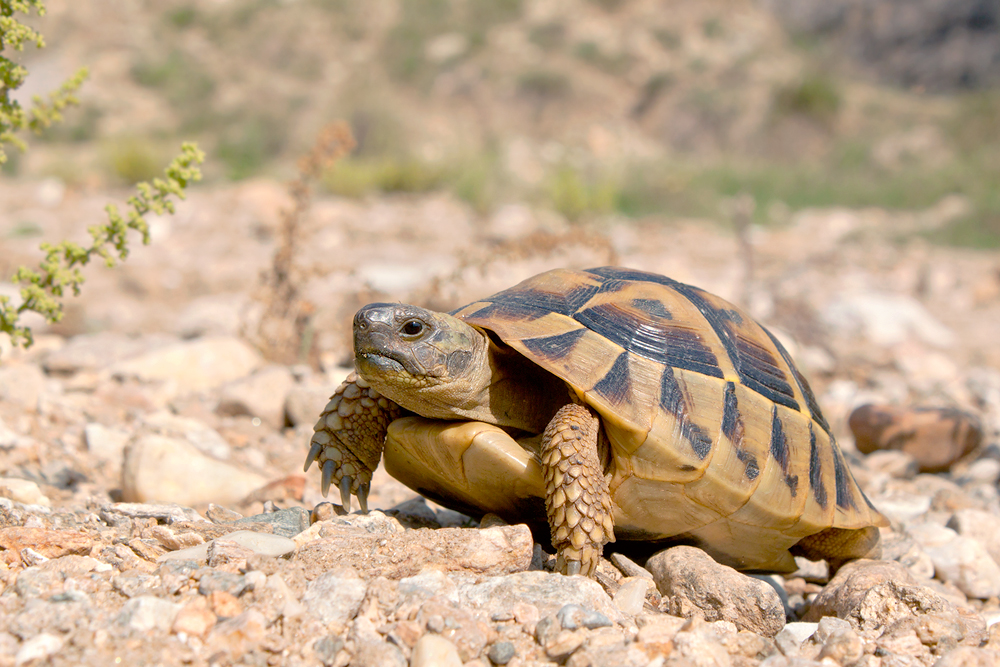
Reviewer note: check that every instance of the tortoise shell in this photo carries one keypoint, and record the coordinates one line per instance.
(715, 436)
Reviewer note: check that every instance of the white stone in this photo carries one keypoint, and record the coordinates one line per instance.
(632, 594)
(38, 647)
(886, 319)
(23, 491)
(790, 639)
(108, 444)
(21, 384)
(264, 544)
(959, 560)
(435, 651)
(201, 435)
(162, 469)
(192, 366)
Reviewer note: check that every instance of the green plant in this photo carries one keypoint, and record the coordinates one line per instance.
(41, 115)
(59, 270)
(815, 96)
(132, 159)
(575, 197)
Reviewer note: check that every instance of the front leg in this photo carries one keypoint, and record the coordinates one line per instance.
(349, 438)
(577, 498)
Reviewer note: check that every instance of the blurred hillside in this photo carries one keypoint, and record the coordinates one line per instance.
(591, 107)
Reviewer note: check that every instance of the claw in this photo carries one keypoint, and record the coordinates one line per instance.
(363, 497)
(573, 567)
(345, 492)
(313, 454)
(328, 469)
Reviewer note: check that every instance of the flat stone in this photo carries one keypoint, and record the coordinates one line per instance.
(192, 366)
(205, 438)
(263, 544)
(547, 591)
(164, 469)
(92, 352)
(694, 585)
(164, 513)
(49, 543)
(492, 551)
(287, 522)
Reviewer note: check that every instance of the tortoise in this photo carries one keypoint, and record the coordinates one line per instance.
(615, 404)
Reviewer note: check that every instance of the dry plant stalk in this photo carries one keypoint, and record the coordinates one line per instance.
(284, 333)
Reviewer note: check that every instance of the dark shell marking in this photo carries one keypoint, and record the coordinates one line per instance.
(683, 379)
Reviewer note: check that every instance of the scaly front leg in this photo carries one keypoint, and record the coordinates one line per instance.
(577, 499)
(349, 438)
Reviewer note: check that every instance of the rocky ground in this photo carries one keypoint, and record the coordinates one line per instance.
(149, 401)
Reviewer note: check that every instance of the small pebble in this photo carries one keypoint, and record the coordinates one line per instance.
(501, 653)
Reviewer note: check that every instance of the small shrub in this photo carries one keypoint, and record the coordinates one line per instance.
(574, 197)
(184, 82)
(543, 85)
(815, 96)
(712, 28)
(548, 36)
(358, 177)
(132, 159)
(668, 39)
(183, 17)
(248, 143)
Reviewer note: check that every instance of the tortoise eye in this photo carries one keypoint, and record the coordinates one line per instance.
(413, 327)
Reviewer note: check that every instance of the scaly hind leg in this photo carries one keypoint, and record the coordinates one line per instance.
(839, 545)
(349, 438)
(577, 499)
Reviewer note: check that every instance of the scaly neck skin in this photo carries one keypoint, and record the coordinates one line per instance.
(499, 387)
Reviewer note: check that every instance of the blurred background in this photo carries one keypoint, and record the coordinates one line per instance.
(831, 165)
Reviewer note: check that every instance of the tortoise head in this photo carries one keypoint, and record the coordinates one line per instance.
(430, 363)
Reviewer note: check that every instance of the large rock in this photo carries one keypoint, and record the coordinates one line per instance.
(164, 469)
(695, 586)
(934, 437)
(850, 585)
(191, 366)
